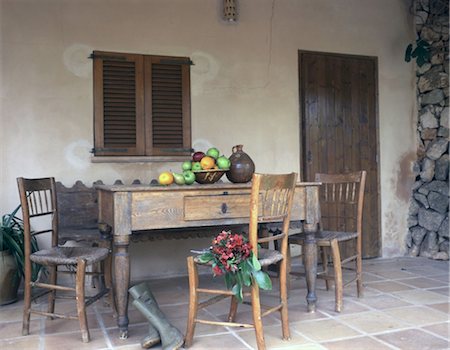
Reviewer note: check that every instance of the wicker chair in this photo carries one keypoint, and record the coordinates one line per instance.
(271, 200)
(341, 204)
(38, 201)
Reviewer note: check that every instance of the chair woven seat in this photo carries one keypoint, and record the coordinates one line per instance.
(69, 255)
(268, 257)
(299, 238)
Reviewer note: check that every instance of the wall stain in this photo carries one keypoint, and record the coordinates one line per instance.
(405, 176)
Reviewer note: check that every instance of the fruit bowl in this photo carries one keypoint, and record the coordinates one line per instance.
(208, 176)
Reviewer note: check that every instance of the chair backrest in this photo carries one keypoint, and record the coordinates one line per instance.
(271, 201)
(38, 201)
(341, 198)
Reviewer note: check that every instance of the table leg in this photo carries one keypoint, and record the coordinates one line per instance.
(310, 262)
(122, 282)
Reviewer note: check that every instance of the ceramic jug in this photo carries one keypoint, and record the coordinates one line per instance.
(242, 166)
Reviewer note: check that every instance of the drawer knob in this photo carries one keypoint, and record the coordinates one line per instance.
(224, 208)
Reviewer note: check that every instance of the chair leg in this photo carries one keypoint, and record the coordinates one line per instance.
(193, 301)
(359, 285)
(107, 275)
(257, 321)
(288, 269)
(284, 300)
(27, 300)
(337, 274)
(81, 304)
(233, 309)
(53, 270)
(324, 258)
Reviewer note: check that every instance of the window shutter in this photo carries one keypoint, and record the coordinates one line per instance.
(118, 104)
(167, 84)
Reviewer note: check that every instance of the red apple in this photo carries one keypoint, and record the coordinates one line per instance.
(197, 156)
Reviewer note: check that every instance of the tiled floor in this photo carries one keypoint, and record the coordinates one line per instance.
(405, 306)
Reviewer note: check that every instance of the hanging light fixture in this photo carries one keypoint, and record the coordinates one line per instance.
(230, 10)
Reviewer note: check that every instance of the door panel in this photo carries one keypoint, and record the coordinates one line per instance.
(338, 95)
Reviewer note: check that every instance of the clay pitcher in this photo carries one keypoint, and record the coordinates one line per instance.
(242, 166)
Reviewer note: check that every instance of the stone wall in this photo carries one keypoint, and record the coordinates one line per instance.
(428, 213)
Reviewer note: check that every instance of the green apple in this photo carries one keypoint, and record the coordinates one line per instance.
(223, 163)
(187, 165)
(179, 179)
(189, 177)
(213, 152)
(196, 166)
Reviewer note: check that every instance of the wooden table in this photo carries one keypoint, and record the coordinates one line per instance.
(146, 207)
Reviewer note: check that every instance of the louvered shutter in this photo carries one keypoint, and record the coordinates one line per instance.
(167, 106)
(118, 104)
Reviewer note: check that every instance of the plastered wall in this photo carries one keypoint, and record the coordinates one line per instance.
(244, 89)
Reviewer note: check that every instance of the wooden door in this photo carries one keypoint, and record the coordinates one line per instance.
(338, 105)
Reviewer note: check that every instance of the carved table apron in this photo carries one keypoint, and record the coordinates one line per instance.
(146, 207)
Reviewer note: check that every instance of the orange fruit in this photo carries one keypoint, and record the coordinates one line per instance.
(207, 162)
(165, 178)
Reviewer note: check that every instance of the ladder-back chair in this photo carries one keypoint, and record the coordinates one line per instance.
(341, 198)
(270, 201)
(39, 207)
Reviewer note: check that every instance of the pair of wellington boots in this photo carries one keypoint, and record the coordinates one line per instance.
(160, 330)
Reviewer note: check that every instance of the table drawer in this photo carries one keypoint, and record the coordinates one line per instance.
(223, 206)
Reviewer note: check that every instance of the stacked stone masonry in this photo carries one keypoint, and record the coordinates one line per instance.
(428, 233)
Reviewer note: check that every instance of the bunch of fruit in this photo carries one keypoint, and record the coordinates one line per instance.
(211, 160)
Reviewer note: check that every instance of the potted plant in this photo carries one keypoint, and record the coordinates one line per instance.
(12, 256)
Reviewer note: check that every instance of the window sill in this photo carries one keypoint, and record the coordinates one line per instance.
(138, 159)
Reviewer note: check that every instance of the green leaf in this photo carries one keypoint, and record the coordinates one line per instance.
(237, 291)
(263, 280)
(205, 257)
(255, 263)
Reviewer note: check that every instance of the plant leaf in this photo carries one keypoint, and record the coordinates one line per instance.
(255, 263)
(237, 291)
(263, 280)
(205, 257)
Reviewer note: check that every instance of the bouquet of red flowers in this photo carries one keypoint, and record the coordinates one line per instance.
(231, 255)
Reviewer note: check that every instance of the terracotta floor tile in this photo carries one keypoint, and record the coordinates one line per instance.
(350, 306)
(444, 307)
(442, 290)
(382, 301)
(72, 341)
(445, 277)
(441, 329)
(413, 339)
(389, 286)
(30, 342)
(219, 342)
(418, 296)
(394, 274)
(373, 322)
(417, 315)
(422, 282)
(273, 338)
(323, 330)
(366, 343)
(10, 330)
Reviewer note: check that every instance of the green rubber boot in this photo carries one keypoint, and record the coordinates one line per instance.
(171, 337)
(153, 337)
